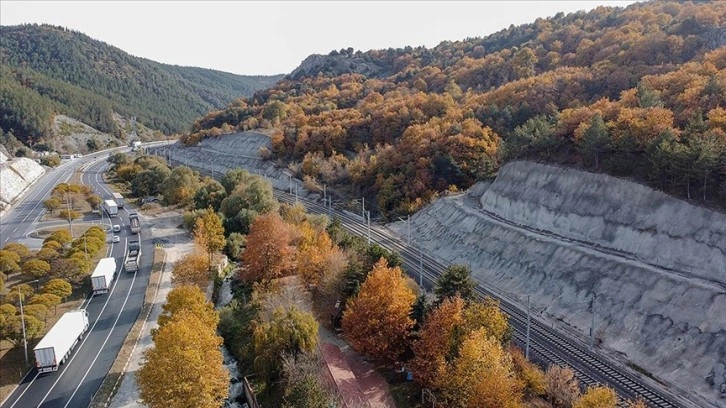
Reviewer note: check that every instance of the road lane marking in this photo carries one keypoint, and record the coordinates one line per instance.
(118, 316)
(25, 390)
(85, 338)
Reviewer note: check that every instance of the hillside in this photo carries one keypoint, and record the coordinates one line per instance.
(47, 69)
(635, 92)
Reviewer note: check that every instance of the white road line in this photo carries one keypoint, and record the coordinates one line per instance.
(118, 316)
(25, 390)
(85, 338)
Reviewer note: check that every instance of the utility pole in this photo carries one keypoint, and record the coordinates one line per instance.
(289, 179)
(22, 322)
(70, 221)
(364, 208)
(325, 195)
(526, 348)
(330, 207)
(295, 193)
(369, 227)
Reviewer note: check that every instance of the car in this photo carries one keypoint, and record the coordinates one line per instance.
(117, 228)
(116, 238)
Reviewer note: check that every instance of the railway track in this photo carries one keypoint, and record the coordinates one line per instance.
(547, 345)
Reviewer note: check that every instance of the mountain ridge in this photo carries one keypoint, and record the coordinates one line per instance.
(48, 69)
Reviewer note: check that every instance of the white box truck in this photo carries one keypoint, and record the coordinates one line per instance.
(56, 346)
(119, 199)
(103, 275)
(111, 208)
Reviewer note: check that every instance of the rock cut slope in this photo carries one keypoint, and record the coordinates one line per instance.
(654, 264)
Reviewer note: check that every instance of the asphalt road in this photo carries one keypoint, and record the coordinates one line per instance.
(111, 315)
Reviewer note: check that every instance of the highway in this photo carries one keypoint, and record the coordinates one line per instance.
(110, 315)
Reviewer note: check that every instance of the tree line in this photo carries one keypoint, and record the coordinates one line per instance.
(635, 92)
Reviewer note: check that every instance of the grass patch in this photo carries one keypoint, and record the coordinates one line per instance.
(115, 375)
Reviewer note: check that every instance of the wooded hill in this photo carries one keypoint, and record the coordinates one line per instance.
(636, 92)
(47, 69)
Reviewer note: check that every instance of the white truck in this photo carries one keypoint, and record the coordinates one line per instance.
(119, 199)
(103, 275)
(111, 208)
(56, 346)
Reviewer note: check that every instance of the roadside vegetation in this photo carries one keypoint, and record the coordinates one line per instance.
(299, 274)
(48, 282)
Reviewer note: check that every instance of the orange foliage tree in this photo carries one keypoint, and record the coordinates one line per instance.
(376, 321)
(268, 254)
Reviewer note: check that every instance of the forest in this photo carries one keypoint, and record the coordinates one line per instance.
(47, 69)
(636, 92)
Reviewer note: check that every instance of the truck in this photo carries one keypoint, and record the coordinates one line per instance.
(134, 222)
(56, 346)
(133, 257)
(111, 208)
(103, 275)
(119, 199)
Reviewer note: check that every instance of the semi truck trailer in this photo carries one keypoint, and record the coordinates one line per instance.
(103, 275)
(133, 257)
(57, 345)
(119, 199)
(111, 208)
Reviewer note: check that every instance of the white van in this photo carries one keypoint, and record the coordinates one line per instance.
(116, 228)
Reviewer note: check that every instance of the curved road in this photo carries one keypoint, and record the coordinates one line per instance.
(111, 315)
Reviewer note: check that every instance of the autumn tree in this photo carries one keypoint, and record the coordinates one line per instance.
(51, 204)
(209, 233)
(481, 375)
(289, 331)
(58, 287)
(377, 320)
(48, 300)
(191, 299)
(192, 269)
(435, 341)
(487, 315)
(36, 268)
(185, 367)
(20, 249)
(69, 215)
(180, 186)
(562, 386)
(597, 397)
(532, 377)
(594, 139)
(62, 237)
(456, 280)
(9, 263)
(313, 251)
(268, 254)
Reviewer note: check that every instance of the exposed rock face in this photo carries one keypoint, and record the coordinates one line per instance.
(335, 65)
(15, 176)
(655, 263)
(226, 152)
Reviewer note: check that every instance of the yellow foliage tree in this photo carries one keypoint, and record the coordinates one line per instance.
(209, 233)
(191, 299)
(192, 269)
(435, 340)
(481, 375)
(531, 376)
(313, 251)
(597, 397)
(185, 367)
(488, 316)
(376, 321)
